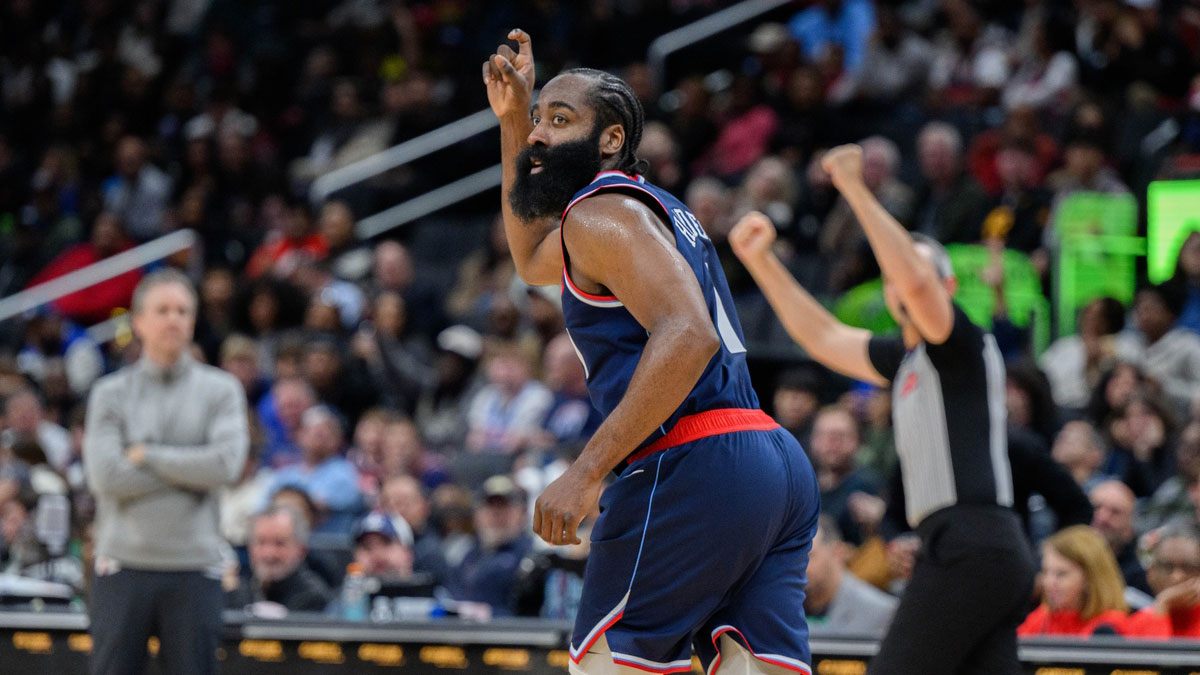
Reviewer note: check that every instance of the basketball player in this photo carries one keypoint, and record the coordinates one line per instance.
(974, 573)
(704, 535)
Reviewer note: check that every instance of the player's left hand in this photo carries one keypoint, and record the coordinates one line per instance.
(563, 505)
(509, 76)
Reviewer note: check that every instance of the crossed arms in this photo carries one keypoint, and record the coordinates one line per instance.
(127, 472)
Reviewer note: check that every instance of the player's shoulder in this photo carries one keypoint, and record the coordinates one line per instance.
(608, 216)
(612, 202)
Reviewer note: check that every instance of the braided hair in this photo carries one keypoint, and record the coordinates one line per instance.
(615, 103)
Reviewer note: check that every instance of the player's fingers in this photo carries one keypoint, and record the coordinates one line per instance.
(524, 43)
(506, 52)
(548, 527)
(556, 528)
(505, 66)
(571, 530)
(753, 222)
(493, 71)
(537, 518)
(487, 72)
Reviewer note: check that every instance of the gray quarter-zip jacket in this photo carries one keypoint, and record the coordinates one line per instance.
(192, 420)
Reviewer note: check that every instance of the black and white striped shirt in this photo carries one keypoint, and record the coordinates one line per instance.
(949, 416)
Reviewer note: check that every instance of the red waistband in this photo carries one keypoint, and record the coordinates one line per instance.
(705, 424)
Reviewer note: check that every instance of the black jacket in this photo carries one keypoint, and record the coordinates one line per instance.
(300, 591)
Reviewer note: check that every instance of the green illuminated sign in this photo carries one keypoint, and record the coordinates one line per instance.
(1172, 213)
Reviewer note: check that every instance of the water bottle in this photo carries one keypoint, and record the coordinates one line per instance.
(53, 523)
(354, 595)
(381, 610)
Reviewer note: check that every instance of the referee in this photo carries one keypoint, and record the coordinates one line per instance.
(974, 573)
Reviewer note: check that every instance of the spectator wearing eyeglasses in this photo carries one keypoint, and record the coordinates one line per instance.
(1174, 575)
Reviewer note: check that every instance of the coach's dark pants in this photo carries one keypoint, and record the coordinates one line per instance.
(182, 608)
(969, 591)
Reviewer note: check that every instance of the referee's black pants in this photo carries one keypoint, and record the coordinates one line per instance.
(970, 589)
(182, 608)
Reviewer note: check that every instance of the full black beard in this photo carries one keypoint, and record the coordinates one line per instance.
(566, 169)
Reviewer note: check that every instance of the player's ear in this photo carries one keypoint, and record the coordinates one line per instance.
(611, 140)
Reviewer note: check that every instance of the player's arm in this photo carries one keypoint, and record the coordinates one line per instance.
(619, 243)
(829, 341)
(509, 78)
(924, 297)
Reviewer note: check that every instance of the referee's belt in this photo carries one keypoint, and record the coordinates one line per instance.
(705, 424)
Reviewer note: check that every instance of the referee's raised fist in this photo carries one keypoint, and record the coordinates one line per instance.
(843, 164)
(752, 237)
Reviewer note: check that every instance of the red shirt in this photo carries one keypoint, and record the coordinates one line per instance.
(272, 251)
(1042, 621)
(1151, 624)
(742, 141)
(95, 303)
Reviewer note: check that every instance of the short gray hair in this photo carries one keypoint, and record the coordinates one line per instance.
(941, 258)
(886, 149)
(163, 277)
(945, 132)
(705, 185)
(1175, 531)
(299, 523)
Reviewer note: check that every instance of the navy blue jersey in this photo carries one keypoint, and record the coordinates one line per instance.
(609, 340)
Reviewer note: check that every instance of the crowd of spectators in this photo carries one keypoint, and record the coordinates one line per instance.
(403, 417)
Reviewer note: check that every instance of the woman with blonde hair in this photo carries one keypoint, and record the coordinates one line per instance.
(1082, 588)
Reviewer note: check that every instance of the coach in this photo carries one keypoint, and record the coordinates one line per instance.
(161, 436)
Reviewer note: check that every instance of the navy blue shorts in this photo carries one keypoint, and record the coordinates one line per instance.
(704, 538)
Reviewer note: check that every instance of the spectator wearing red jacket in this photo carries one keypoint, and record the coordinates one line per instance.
(291, 238)
(95, 303)
(1081, 586)
(1174, 575)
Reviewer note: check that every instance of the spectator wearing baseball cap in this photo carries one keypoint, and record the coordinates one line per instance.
(489, 569)
(382, 549)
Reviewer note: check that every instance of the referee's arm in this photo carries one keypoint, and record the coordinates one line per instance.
(829, 341)
(925, 298)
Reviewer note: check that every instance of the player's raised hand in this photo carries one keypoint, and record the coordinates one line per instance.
(509, 76)
(844, 165)
(752, 237)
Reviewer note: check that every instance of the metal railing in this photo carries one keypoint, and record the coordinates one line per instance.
(702, 29)
(404, 153)
(126, 261)
(369, 167)
(434, 200)
(484, 120)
